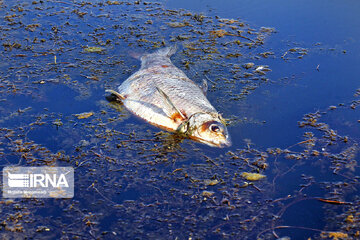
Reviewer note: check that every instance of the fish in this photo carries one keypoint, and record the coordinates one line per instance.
(162, 94)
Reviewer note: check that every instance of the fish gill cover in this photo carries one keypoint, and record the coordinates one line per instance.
(134, 181)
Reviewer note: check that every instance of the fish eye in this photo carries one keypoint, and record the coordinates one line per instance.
(214, 128)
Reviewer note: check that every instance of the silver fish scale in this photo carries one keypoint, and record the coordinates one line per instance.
(144, 100)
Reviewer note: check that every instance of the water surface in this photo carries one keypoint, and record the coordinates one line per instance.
(297, 123)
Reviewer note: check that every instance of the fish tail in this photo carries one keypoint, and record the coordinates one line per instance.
(166, 51)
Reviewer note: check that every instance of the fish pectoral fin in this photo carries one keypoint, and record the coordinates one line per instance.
(204, 86)
(116, 94)
(170, 109)
(183, 128)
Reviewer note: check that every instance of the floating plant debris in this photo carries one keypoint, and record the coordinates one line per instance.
(94, 49)
(252, 176)
(84, 115)
(135, 181)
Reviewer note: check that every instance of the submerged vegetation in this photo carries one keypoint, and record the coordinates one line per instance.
(134, 181)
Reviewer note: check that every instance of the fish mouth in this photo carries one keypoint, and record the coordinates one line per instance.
(220, 144)
(226, 143)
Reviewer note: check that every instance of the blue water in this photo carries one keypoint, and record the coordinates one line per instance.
(334, 25)
(133, 181)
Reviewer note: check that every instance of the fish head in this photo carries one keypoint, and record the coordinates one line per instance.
(209, 129)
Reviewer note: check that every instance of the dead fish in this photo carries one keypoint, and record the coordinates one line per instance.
(164, 96)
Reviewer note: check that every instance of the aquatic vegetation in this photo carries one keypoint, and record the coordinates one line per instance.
(252, 176)
(84, 115)
(334, 235)
(134, 181)
(94, 49)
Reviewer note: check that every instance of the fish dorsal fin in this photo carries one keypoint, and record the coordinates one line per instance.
(170, 109)
(204, 86)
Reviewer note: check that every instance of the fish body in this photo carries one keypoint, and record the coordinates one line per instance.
(164, 96)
